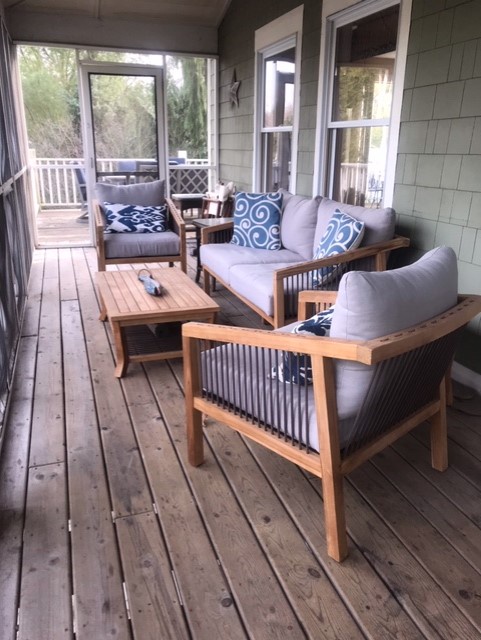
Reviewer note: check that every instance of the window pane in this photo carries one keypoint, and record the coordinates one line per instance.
(279, 89)
(359, 164)
(276, 161)
(365, 55)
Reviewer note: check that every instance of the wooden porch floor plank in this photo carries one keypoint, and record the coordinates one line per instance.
(205, 593)
(119, 444)
(310, 591)
(433, 551)
(371, 602)
(48, 442)
(13, 483)
(97, 577)
(452, 484)
(459, 530)
(45, 595)
(68, 290)
(415, 589)
(414, 560)
(35, 291)
(155, 609)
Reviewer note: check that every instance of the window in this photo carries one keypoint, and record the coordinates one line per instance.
(277, 92)
(360, 119)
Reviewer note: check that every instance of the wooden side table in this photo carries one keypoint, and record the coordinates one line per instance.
(203, 223)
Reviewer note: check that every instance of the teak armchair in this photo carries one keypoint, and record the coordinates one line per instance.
(125, 248)
(366, 393)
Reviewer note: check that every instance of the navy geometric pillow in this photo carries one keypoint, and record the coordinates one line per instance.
(296, 368)
(130, 218)
(343, 232)
(257, 220)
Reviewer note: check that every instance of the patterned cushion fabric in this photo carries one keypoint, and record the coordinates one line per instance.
(296, 368)
(129, 218)
(257, 218)
(343, 233)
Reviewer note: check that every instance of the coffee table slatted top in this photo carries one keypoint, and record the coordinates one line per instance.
(125, 298)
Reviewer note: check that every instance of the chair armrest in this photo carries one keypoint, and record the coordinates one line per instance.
(296, 343)
(177, 224)
(176, 221)
(208, 234)
(344, 258)
(320, 300)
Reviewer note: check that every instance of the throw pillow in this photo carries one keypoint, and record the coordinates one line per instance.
(147, 194)
(257, 220)
(130, 218)
(296, 368)
(343, 233)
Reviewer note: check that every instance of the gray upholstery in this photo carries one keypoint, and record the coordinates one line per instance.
(222, 257)
(299, 216)
(369, 305)
(379, 223)
(146, 194)
(136, 245)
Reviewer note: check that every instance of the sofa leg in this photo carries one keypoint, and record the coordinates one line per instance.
(206, 282)
(335, 519)
(439, 434)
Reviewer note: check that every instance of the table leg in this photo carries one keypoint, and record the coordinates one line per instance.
(121, 356)
(199, 266)
(103, 311)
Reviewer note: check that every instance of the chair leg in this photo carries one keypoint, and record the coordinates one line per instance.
(439, 433)
(334, 516)
(206, 282)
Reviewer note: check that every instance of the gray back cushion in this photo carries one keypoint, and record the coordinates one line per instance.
(373, 304)
(145, 194)
(379, 223)
(299, 218)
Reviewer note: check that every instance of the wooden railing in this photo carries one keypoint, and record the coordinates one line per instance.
(58, 185)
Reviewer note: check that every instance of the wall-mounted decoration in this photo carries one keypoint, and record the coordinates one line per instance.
(234, 90)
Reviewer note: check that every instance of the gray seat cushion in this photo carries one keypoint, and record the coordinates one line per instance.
(220, 258)
(136, 245)
(255, 283)
(379, 224)
(146, 194)
(299, 218)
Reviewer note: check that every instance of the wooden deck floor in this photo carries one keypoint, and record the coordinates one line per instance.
(107, 532)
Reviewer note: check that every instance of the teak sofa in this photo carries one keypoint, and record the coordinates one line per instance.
(379, 374)
(125, 248)
(269, 281)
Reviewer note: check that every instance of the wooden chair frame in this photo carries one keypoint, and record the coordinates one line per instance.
(330, 464)
(176, 224)
(378, 253)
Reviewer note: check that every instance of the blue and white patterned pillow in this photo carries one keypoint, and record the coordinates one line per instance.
(296, 368)
(130, 218)
(257, 220)
(343, 232)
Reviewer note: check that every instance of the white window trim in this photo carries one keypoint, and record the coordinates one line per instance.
(335, 13)
(266, 39)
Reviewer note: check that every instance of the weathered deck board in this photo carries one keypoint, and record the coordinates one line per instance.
(97, 577)
(232, 549)
(45, 592)
(13, 483)
(48, 442)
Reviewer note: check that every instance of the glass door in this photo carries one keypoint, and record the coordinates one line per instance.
(123, 124)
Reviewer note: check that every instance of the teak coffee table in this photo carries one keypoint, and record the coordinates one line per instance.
(129, 309)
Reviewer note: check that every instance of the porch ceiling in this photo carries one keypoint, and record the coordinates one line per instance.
(207, 13)
(160, 26)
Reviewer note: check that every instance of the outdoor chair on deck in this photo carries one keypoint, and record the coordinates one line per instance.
(136, 224)
(330, 403)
